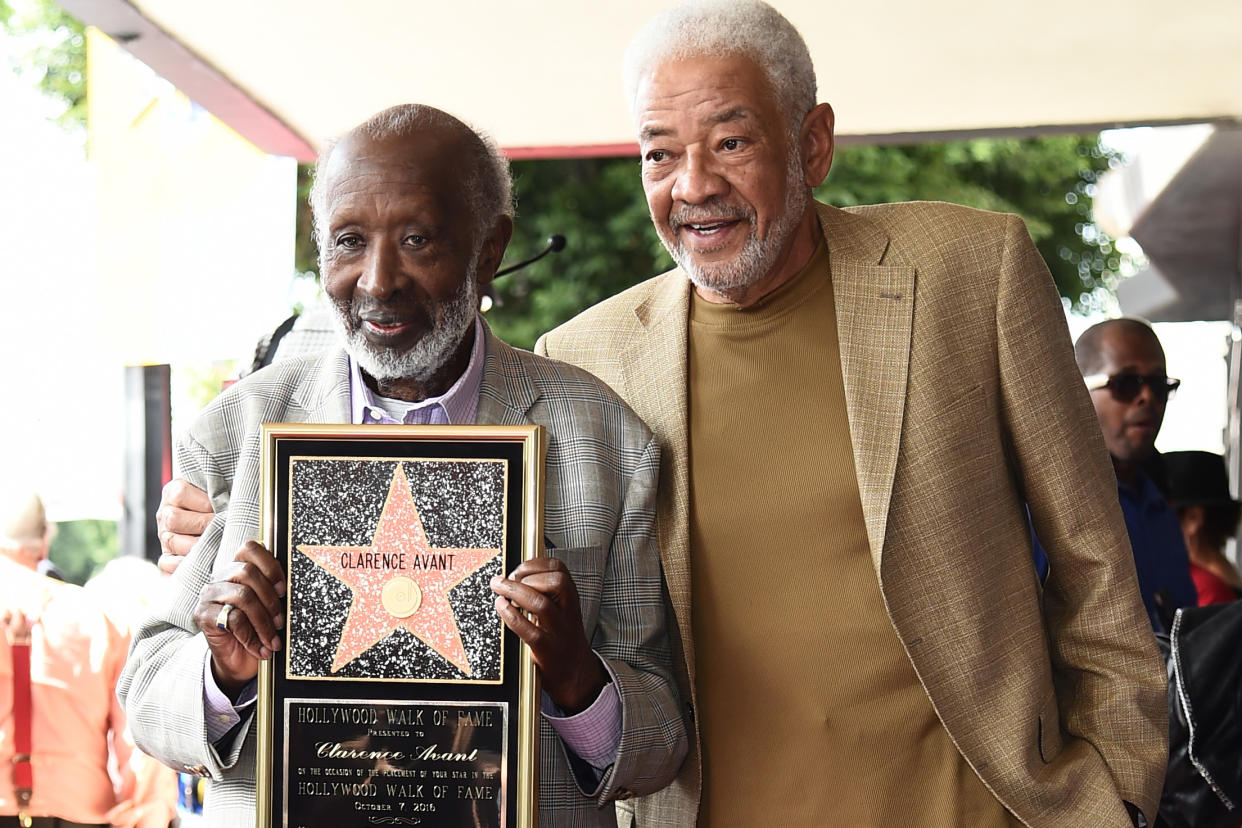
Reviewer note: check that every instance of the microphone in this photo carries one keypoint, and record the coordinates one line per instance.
(556, 243)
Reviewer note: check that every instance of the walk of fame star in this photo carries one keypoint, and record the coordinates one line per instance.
(399, 581)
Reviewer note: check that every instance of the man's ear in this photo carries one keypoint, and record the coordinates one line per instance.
(818, 143)
(493, 250)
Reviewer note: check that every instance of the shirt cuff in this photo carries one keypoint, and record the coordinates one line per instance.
(220, 714)
(594, 735)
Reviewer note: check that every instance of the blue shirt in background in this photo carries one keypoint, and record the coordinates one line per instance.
(1160, 556)
(1159, 551)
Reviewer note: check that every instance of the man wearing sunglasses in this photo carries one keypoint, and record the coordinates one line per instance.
(1123, 366)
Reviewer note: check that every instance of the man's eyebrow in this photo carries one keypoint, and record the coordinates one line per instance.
(737, 113)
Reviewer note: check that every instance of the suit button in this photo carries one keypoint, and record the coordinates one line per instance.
(197, 770)
(625, 794)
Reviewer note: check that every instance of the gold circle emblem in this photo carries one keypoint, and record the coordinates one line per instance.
(401, 597)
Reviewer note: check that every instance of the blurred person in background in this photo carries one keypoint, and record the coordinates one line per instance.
(125, 590)
(1122, 363)
(1203, 785)
(1198, 488)
(64, 760)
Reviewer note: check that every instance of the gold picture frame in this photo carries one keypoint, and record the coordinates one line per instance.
(398, 698)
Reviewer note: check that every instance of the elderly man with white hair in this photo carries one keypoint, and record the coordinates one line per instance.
(413, 213)
(857, 410)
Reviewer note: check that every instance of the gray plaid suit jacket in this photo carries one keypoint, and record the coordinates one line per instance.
(601, 472)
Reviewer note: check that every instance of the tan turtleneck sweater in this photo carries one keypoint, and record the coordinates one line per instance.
(810, 711)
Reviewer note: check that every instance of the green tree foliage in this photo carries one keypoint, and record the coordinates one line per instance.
(203, 382)
(1048, 181)
(599, 206)
(596, 203)
(305, 252)
(82, 547)
(52, 50)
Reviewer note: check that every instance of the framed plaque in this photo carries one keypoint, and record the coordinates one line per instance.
(399, 697)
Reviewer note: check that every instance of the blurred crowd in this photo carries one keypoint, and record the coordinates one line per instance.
(63, 733)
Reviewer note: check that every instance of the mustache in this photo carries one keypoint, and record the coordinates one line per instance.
(384, 313)
(710, 211)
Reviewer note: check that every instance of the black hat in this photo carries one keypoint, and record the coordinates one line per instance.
(1196, 478)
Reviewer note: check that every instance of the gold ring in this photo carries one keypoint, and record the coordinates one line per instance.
(222, 620)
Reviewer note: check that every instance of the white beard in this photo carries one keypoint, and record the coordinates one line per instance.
(757, 257)
(426, 356)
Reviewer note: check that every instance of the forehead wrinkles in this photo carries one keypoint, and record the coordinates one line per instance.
(698, 106)
(392, 188)
(406, 159)
(698, 85)
(350, 185)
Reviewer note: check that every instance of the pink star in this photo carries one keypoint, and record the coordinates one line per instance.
(400, 580)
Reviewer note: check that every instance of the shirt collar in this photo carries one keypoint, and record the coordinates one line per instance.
(459, 404)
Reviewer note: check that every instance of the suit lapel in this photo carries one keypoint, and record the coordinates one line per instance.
(325, 398)
(506, 392)
(654, 370)
(875, 310)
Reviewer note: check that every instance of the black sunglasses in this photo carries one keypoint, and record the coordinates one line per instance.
(1125, 387)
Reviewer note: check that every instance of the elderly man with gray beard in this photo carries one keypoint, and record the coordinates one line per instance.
(413, 212)
(856, 409)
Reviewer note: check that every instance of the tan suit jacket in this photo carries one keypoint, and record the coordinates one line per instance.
(964, 405)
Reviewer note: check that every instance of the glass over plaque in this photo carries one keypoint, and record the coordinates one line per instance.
(399, 697)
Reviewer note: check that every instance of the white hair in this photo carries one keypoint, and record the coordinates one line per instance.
(486, 181)
(721, 28)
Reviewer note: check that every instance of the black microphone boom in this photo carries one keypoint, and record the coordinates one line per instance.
(556, 243)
